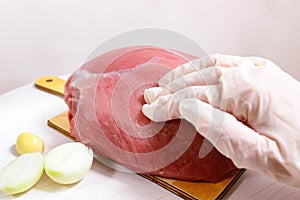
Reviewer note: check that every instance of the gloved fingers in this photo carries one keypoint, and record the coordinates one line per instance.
(151, 94)
(234, 61)
(199, 67)
(201, 63)
(220, 60)
(186, 68)
(245, 147)
(165, 107)
(208, 76)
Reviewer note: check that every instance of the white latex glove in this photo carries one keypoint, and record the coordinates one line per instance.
(248, 108)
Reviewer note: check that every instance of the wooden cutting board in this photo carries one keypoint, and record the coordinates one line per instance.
(184, 189)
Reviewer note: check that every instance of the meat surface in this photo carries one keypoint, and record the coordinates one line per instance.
(105, 97)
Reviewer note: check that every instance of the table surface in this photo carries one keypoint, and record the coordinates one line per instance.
(28, 109)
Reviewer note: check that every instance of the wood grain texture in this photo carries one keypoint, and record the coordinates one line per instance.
(184, 189)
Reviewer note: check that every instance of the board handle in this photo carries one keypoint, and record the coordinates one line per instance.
(51, 84)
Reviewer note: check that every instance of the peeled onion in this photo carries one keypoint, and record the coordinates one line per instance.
(22, 173)
(68, 163)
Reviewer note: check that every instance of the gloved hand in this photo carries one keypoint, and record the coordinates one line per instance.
(247, 107)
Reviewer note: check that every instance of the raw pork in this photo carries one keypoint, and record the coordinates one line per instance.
(105, 97)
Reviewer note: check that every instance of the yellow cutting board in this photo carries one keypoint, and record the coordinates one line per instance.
(184, 189)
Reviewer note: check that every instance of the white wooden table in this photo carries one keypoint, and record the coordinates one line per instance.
(28, 109)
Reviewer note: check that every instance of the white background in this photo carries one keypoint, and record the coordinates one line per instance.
(39, 37)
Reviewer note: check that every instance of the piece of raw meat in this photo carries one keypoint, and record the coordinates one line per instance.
(105, 97)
